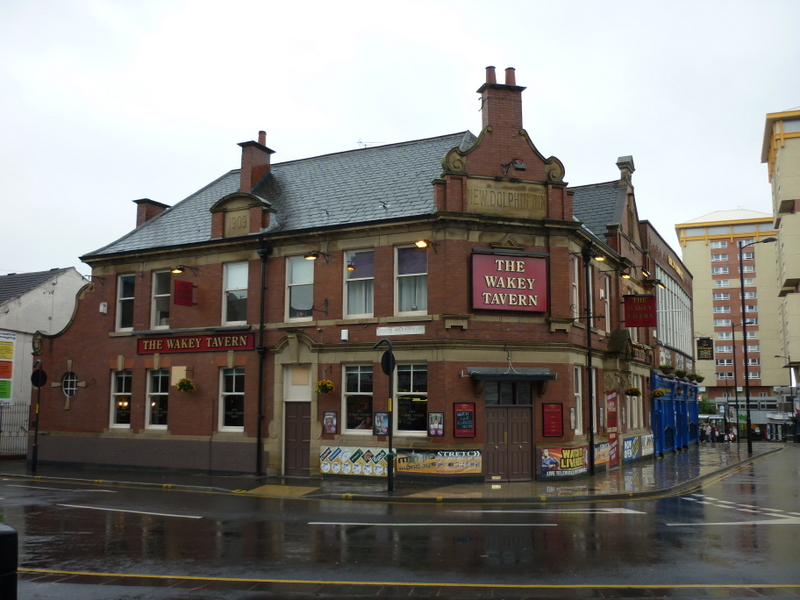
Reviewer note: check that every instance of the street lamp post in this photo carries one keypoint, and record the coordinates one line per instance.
(735, 379)
(588, 254)
(744, 335)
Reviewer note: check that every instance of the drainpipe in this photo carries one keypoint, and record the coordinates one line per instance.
(264, 252)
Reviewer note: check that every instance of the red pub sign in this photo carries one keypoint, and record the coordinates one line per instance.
(640, 310)
(502, 282)
(197, 343)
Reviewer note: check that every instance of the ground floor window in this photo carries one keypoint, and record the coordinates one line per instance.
(412, 398)
(232, 399)
(358, 397)
(157, 398)
(121, 399)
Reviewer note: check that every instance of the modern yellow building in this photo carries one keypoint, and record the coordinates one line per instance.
(781, 152)
(710, 249)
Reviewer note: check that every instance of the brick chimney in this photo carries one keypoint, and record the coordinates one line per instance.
(147, 209)
(255, 162)
(501, 103)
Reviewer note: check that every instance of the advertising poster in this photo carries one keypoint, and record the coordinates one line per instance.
(631, 448)
(648, 445)
(439, 462)
(7, 340)
(611, 428)
(563, 462)
(349, 460)
(602, 453)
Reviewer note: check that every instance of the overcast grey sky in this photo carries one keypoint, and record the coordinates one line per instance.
(103, 102)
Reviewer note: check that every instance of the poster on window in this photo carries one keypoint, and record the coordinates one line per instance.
(436, 424)
(330, 421)
(381, 423)
(367, 461)
(563, 462)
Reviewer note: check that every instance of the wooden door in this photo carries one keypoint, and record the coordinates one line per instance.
(297, 439)
(495, 455)
(508, 453)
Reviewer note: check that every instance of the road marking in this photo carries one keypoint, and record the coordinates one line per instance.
(39, 487)
(358, 524)
(428, 584)
(137, 512)
(781, 521)
(564, 511)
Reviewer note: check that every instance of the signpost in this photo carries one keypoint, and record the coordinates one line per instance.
(388, 364)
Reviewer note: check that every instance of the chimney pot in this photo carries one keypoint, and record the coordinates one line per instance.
(511, 76)
(262, 138)
(490, 75)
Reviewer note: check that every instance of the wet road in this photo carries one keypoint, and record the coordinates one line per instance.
(735, 537)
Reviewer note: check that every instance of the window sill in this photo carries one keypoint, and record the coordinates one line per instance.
(410, 318)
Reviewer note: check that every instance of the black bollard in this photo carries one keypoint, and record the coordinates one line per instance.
(8, 562)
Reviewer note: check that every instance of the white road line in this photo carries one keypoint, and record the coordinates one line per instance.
(357, 524)
(562, 511)
(785, 521)
(41, 487)
(137, 512)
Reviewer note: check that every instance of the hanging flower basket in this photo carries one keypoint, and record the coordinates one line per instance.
(680, 373)
(699, 378)
(691, 376)
(325, 386)
(657, 393)
(667, 369)
(633, 391)
(186, 385)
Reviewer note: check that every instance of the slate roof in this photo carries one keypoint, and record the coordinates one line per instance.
(356, 186)
(599, 205)
(14, 285)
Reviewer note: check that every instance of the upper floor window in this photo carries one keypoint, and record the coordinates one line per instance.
(722, 296)
(722, 322)
(751, 308)
(412, 398)
(722, 309)
(412, 280)
(121, 398)
(749, 295)
(575, 289)
(748, 255)
(360, 283)
(724, 335)
(69, 384)
(748, 269)
(750, 282)
(719, 244)
(724, 362)
(753, 348)
(234, 302)
(719, 257)
(719, 271)
(721, 283)
(126, 285)
(724, 349)
(161, 299)
(357, 397)
(299, 288)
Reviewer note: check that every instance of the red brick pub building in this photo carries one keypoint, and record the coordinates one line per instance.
(236, 331)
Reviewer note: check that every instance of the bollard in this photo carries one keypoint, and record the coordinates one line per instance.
(8, 562)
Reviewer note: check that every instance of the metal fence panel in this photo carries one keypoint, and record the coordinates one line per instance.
(14, 426)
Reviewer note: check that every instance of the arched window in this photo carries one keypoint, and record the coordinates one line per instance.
(69, 384)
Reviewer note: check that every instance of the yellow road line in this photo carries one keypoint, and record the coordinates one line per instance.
(425, 584)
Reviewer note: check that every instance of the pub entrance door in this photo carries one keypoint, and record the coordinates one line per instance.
(508, 413)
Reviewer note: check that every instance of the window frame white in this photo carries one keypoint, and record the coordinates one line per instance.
(162, 394)
(157, 295)
(125, 303)
(361, 369)
(401, 281)
(235, 375)
(117, 395)
(719, 270)
(229, 271)
(295, 283)
(413, 368)
(577, 394)
(366, 296)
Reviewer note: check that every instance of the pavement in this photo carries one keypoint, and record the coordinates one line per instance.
(648, 477)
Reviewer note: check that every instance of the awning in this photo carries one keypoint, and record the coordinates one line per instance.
(509, 374)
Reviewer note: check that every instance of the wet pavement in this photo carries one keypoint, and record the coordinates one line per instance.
(648, 477)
